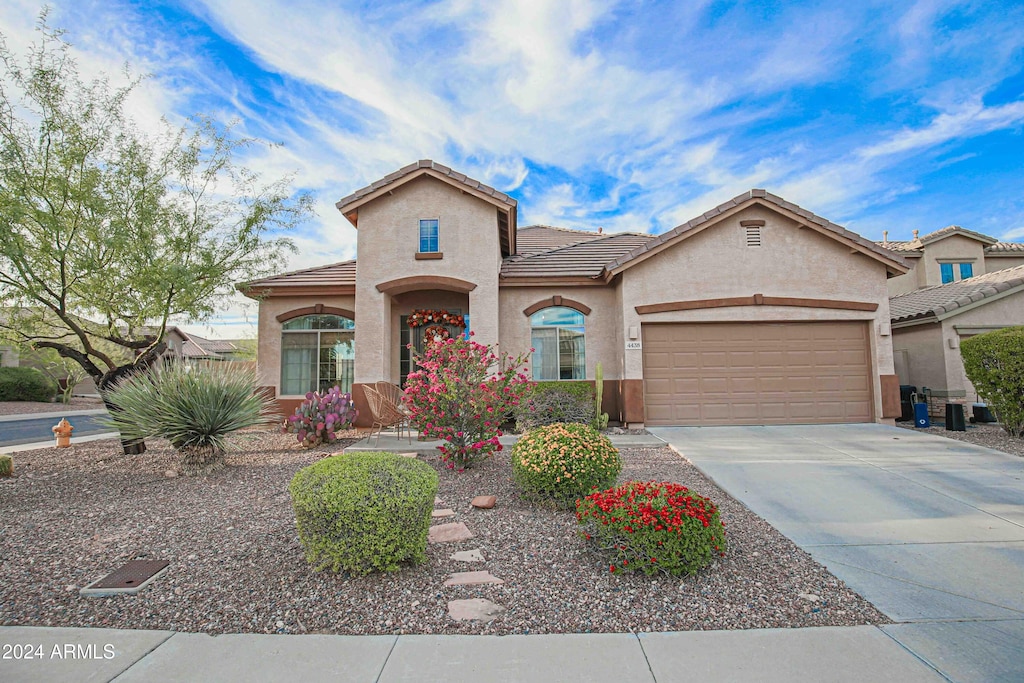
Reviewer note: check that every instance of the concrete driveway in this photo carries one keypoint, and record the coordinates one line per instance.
(930, 530)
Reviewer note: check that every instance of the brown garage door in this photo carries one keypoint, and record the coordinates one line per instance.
(756, 373)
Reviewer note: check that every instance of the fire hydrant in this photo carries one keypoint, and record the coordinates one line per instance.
(63, 431)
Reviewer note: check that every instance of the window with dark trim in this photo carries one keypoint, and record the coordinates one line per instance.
(317, 353)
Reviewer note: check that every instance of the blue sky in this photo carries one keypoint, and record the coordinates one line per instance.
(626, 115)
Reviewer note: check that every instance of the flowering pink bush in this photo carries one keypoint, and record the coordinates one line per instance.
(461, 394)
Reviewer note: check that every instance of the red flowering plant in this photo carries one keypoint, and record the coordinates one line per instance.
(653, 527)
(461, 394)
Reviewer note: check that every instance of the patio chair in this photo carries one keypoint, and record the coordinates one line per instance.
(393, 393)
(385, 414)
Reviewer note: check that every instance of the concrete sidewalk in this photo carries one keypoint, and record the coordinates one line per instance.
(859, 654)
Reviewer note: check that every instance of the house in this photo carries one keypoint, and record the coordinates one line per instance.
(929, 324)
(950, 255)
(755, 312)
(185, 346)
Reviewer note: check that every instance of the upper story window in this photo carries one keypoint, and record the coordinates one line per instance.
(428, 236)
(559, 343)
(317, 352)
(953, 272)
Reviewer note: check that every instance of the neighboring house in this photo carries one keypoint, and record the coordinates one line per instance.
(756, 312)
(929, 324)
(191, 347)
(8, 356)
(950, 255)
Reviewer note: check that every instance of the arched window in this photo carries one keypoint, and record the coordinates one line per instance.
(317, 352)
(558, 339)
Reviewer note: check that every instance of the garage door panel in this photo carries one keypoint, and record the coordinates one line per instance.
(757, 373)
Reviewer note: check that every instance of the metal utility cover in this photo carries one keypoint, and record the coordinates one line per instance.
(127, 579)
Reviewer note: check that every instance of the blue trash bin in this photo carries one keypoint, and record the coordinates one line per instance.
(921, 420)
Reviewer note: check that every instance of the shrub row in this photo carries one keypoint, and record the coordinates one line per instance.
(25, 384)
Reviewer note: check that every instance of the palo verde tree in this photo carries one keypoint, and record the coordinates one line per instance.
(107, 232)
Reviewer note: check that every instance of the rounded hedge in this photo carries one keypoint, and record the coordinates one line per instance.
(25, 384)
(364, 512)
(563, 462)
(653, 527)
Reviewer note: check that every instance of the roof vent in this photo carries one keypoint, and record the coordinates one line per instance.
(753, 235)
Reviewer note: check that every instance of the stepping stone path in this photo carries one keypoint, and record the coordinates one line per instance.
(468, 556)
(447, 533)
(484, 502)
(471, 578)
(476, 608)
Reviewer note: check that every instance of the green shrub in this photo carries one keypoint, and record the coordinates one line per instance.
(552, 402)
(6, 466)
(25, 384)
(563, 462)
(994, 362)
(653, 527)
(364, 512)
(195, 408)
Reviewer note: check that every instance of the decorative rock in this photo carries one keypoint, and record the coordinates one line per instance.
(471, 578)
(484, 502)
(468, 556)
(170, 474)
(438, 501)
(442, 513)
(474, 609)
(446, 533)
(809, 597)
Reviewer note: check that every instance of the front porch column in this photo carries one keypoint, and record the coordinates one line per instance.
(483, 314)
(373, 337)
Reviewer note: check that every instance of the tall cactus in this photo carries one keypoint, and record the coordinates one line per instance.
(600, 419)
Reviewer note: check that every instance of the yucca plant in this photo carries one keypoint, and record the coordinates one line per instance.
(193, 407)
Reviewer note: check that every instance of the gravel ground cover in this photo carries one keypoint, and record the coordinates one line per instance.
(72, 515)
(34, 407)
(988, 435)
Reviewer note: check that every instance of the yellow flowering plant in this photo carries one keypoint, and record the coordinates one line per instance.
(563, 462)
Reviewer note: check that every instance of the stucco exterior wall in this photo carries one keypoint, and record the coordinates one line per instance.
(8, 357)
(908, 282)
(792, 262)
(954, 248)
(268, 365)
(1000, 262)
(388, 240)
(1005, 312)
(600, 327)
(926, 357)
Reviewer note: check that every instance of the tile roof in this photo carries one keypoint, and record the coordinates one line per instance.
(901, 247)
(534, 239)
(583, 259)
(196, 346)
(430, 165)
(955, 230)
(939, 299)
(763, 195)
(335, 274)
(1005, 247)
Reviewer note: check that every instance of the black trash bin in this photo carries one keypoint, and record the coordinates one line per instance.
(906, 406)
(982, 413)
(955, 418)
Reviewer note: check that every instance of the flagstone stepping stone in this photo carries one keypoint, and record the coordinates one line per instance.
(484, 502)
(468, 555)
(447, 533)
(474, 609)
(408, 455)
(471, 578)
(438, 501)
(442, 513)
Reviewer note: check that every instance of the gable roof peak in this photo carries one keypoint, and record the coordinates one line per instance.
(950, 230)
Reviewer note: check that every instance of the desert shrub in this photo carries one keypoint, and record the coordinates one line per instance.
(550, 402)
(461, 394)
(994, 362)
(6, 465)
(562, 462)
(25, 384)
(364, 512)
(320, 416)
(195, 408)
(653, 527)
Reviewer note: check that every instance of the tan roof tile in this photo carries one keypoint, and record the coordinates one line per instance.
(334, 274)
(433, 166)
(939, 299)
(534, 239)
(583, 259)
(1005, 247)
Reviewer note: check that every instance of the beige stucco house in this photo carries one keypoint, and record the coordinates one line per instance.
(929, 324)
(756, 312)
